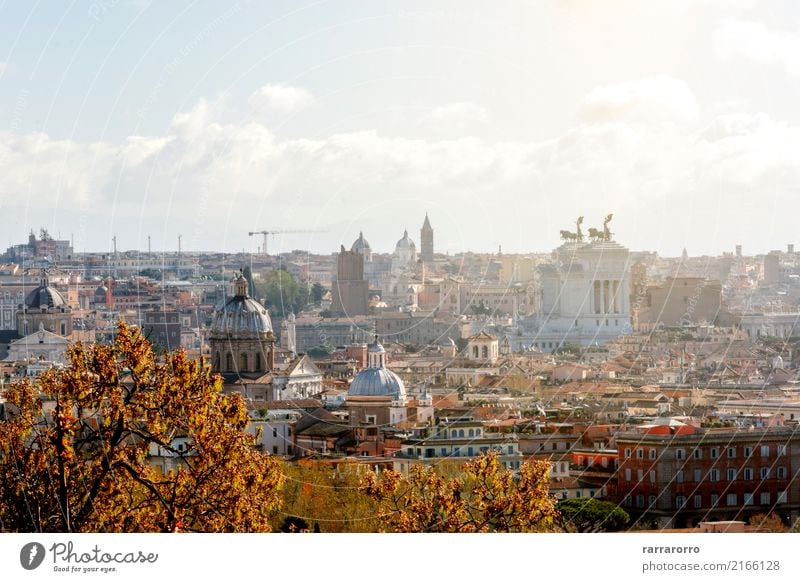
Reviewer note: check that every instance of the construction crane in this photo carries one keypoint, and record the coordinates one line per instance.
(265, 233)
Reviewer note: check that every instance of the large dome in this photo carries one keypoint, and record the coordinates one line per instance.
(44, 296)
(378, 382)
(241, 315)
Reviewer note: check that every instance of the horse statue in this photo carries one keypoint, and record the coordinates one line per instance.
(595, 234)
(567, 235)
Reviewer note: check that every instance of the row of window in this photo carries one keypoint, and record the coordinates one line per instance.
(731, 500)
(714, 452)
(444, 452)
(731, 474)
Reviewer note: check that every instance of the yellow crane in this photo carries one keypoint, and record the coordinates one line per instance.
(266, 233)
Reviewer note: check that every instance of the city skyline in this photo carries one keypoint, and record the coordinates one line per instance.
(505, 124)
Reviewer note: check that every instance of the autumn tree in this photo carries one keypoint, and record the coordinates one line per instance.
(483, 498)
(74, 447)
(768, 522)
(329, 496)
(589, 515)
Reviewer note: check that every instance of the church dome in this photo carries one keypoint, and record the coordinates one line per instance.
(404, 244)
(241, 315)
(361, 245)
(377, 380)
(45, 296)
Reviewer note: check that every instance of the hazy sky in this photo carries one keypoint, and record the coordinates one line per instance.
(504, 120)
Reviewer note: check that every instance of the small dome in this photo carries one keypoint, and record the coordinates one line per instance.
(376, 348)
(377, 382)
(404, 243)
(100, 294)
(44, 296)
(360, 245)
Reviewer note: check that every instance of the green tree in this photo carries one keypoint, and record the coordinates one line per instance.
(74, 450)
(317, 293)
(283, 293)
(592, 515)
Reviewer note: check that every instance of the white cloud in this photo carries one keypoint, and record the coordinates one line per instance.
(644, 100)
(216, 178)
(754, 41)
(281, 98)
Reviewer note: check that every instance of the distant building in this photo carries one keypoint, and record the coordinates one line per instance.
(350, 289)
(585, 294)
(772, 268)
(44, 307)
(163, 328)
(678, 301)
(426, 240)
(405, 254)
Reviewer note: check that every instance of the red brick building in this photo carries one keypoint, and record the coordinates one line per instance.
(680, 475)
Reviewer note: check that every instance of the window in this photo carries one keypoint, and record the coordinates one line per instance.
(274, 450)
(764, 498)
(510, 449)
(640, 453)
(713, 475)
(651, 454)
(578, 494)
(627, 474)
(714, 499)
(274, 433)
(444, 451)
(680, 454)
(651, 501)
(748, 452)
(679, 477)
(639, 475)
(731, 474)
(781, 472)
(640, 501)
(697, 501)
(765, 472)
(764, 451)
(781, 450)
(782, 497)
(748, 474)
(714, 452)
(627, 453)
(731, 499)
(731, 452)
(680, 502)
(748, 499)
(471, 432)
(697, 454)
(698, 475)
(652, 476)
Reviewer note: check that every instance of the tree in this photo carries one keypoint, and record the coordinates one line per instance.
(328, 495)
(592, 515)
(317, 293)
(74, 450)
(283, 293)
(484, 498)
(771, 522)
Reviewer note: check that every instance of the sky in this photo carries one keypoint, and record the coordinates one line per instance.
(504, 121)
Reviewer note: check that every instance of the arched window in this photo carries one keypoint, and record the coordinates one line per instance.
(461, 433)
(485, 352)
(475, 351)
(229, 362)
(471, 432)
(242, 362)
(258, 361)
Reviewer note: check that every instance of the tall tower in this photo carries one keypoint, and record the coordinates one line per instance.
(426, 240)
(350, 289)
